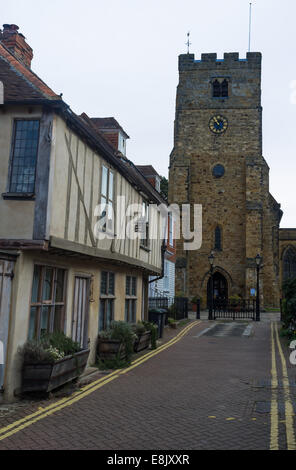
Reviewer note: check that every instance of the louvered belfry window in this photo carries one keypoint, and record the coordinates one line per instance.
(220, 88)
(224, 89)
(216, 89)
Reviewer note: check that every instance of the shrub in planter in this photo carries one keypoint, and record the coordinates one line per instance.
(143, 334)
(172, 322)
(154, 333)
(117, 342)
(235, 302)
(50, 362)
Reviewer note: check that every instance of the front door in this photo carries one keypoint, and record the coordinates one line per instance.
(6, 275)
(220, 288)
(81, 311)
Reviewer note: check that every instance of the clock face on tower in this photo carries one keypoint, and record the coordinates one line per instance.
(218, 124)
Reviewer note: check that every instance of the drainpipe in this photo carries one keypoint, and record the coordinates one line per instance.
(163, 250)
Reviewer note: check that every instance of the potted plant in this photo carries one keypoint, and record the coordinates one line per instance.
(50, 362)
(235, 302)
(153, 328)
(172, 323)
(143, 334)
(117, 342)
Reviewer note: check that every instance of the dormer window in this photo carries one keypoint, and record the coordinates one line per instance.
(220, 88)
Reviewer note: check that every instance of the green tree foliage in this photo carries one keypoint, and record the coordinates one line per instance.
(289, 305)
(164, 187)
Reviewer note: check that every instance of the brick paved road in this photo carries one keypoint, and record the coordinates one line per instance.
(209, 391)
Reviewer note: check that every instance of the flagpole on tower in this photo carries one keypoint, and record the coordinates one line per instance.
(188, 43)
(250, 26)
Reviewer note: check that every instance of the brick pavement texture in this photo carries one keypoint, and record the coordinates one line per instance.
(200, 393)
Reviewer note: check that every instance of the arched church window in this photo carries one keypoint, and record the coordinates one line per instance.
(220, 88)
(218, 238)
(224, 89)
(289, 264)
(216, 89)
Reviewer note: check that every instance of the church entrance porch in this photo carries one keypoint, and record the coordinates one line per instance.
(220, 288)
(225, 307)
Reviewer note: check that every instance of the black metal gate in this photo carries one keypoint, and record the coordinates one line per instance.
(181, 305)
(234, 310)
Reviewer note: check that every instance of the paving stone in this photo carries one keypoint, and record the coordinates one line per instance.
(169, 401)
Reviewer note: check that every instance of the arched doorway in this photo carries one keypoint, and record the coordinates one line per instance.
(220, 287)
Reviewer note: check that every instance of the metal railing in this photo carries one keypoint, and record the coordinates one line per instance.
(244, 309)
(177, 307)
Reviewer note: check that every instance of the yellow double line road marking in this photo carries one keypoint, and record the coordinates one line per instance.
(289, 412)
(21, 424)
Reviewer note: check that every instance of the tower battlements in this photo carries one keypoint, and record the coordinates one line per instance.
(231, 60)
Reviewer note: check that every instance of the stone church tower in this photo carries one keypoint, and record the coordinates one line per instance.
(217, 162)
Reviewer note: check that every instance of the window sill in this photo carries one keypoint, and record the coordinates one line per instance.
(145, 248)
(19, 196)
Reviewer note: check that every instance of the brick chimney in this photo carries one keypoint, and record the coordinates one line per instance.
(15, 42)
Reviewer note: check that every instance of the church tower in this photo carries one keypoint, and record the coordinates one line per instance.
(217, 162)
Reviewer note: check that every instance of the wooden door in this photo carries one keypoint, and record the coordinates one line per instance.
(6, 276)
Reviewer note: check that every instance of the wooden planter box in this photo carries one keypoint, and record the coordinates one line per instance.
(44, 377)
(110, 349)
(143, 341)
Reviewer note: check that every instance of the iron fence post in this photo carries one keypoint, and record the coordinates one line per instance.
(211, 295)
(258, 296)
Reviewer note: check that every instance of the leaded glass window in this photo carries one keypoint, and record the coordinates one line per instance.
(289, 262)
(106, 314)
(131, 299)
(24, 156)
(47, 301)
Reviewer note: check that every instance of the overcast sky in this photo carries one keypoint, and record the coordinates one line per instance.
(120, 58)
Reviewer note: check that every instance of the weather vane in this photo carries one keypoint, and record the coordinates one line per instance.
(188, 43)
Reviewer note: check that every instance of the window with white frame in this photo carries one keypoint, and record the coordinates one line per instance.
(166, 283)
(107, 199)
(131, 299)
(170, 229)
(47, 310)
(107, 299)
(145, 225)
